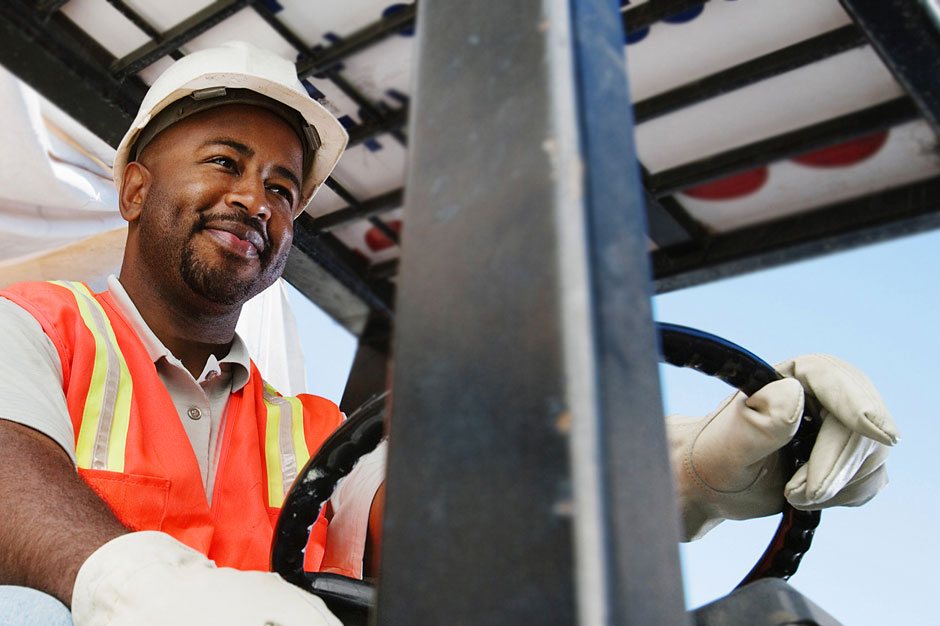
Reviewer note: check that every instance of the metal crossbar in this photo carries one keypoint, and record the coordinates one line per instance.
(821, 135)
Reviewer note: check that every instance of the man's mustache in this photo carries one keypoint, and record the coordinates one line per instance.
(205, 219)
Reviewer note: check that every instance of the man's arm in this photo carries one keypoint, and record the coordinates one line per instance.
(57, 536)
(51, 521)
(370, 562)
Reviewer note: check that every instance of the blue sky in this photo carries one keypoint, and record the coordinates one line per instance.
(874, 307)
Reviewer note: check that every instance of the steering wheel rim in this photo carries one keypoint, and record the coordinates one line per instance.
(681, 346)
(362, 431)
(717, 357)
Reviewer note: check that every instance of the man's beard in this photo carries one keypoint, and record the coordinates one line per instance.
(218, 285)
(213, 284)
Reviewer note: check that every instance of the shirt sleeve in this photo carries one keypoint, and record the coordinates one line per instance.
(351, 502)
(31, 378)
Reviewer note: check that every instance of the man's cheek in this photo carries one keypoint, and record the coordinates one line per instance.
(282, 247)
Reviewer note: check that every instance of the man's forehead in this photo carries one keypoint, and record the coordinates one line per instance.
(240, 117)
(242, 127)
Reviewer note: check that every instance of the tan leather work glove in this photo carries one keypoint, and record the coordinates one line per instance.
(149, 578)
(727, 464)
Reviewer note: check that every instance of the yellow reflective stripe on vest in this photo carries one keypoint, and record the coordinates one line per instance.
(285, 449)
(106, 414)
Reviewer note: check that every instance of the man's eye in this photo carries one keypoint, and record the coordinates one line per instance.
(224, 161)
(282, 191)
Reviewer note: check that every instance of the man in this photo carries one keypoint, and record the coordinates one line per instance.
(146, 389)
(148, 392)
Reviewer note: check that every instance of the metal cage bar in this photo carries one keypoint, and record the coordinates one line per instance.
(178, 36)
(905, 35)
(763, 67)
(138, 20)
(62, 62)
(360, 210)
(373, 218)
(869, 219)
(821, 135)
(526, 422)
(357, 41)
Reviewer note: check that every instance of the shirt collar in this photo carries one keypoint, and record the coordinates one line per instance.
(237, 361)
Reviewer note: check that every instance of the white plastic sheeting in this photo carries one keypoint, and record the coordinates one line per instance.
(59, 220)
(269, 329)
(54, 190)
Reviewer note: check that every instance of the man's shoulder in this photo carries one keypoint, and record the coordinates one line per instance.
(39, 288)
(44, 300)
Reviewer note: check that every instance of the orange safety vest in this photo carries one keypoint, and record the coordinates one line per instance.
(132, 449)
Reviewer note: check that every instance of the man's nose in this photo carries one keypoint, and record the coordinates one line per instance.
(248, 194)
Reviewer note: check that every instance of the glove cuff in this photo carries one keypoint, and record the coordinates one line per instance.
(725, 463)
(106, 577)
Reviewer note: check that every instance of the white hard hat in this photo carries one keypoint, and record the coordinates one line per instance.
(229, 74)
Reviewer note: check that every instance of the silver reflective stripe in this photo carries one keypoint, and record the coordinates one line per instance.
(99, 457)
(286, 441)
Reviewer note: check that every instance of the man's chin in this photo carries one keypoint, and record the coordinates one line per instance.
(222, 287)
(227, 281)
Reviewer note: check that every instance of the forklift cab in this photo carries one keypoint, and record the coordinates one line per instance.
(521, 178)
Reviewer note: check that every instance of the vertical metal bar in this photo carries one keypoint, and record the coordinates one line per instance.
(478, 519)
(613, 382)
(528, 478)
(369, 373)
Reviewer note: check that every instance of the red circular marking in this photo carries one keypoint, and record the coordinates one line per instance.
(732, 187)
(376, 239)
(844, 154)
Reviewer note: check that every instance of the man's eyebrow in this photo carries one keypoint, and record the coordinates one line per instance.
(237, 146)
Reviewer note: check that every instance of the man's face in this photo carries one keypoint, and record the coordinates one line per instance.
(219, 211)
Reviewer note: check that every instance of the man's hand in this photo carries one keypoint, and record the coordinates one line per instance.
(727, 464)
(148, 579)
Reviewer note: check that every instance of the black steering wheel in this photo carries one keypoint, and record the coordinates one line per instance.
(351, 599)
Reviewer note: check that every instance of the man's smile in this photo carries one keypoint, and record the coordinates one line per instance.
(237, 237)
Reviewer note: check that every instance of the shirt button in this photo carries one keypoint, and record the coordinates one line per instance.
(194, 413)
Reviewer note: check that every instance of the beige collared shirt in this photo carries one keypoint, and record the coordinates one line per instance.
(31, 388)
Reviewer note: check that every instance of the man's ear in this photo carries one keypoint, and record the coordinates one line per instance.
(134, 189)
